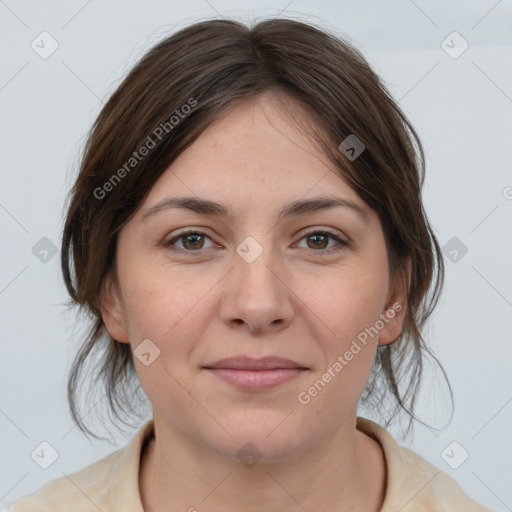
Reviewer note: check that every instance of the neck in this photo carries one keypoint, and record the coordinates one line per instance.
(342, 473)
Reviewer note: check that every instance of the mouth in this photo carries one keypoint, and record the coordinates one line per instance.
(256, 374)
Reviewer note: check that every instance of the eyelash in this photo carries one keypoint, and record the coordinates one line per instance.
(342, 244)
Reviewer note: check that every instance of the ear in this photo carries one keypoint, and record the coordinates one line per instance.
(112, 310)
(396, 306)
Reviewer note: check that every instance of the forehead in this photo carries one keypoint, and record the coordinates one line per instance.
(257, 149)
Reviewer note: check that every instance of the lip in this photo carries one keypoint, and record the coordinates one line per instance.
(249, 363)
(256, 374)
(256, 380)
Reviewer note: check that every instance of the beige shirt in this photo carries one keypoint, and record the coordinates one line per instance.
(112, 483)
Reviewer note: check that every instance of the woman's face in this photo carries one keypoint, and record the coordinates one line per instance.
(254, 282)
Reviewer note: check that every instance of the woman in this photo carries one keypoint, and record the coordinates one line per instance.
(247, 232)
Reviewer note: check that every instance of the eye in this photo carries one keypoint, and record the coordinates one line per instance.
(319, 239)
(191, 240)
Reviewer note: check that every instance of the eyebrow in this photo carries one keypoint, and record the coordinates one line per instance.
(295, 208)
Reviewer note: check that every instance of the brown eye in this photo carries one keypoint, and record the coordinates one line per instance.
(193, 241)
(190, 241)
(319, 241)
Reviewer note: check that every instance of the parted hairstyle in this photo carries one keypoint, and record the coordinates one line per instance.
(175, 91)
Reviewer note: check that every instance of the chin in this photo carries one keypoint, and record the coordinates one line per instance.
(269, 438)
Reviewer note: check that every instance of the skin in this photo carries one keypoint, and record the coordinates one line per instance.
(296, 300)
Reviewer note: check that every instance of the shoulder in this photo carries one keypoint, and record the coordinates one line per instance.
(80, 491)
(112, 479)
(413, 484)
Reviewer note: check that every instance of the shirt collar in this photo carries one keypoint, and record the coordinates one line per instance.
(124, 481)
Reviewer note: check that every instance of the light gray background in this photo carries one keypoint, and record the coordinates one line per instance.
(461, 108)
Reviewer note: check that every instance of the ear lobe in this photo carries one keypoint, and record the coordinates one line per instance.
(112, 311)
(396, 308)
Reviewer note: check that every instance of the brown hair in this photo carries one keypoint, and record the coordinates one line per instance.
(211, 65)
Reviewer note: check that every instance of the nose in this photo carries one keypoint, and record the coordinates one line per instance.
(256, 296)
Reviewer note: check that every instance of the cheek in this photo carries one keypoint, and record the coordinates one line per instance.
(346, 302)
(348, 308)
(169, 308)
